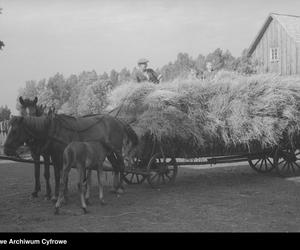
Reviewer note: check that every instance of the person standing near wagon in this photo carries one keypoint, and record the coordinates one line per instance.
(146, 74)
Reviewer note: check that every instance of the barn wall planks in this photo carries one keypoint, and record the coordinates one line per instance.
(275, 36)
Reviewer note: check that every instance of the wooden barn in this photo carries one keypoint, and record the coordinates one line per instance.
(276, 48)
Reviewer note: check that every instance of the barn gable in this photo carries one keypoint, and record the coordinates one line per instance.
(290, 23)
(276, 47)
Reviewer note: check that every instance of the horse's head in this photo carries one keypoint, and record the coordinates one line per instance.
(29, 107)
(16, 136)
(40, 110)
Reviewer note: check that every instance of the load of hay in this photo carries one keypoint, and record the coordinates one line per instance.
(231, 111)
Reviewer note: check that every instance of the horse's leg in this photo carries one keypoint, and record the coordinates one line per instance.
(82, 186)
(62, 191)
(89, 185)
(57, 170)
(119, 172)
(47, 175)
(100, 184)
(37, 186)
(121, 166)
(111, 157)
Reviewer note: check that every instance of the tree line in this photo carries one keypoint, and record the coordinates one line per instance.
(87, 92)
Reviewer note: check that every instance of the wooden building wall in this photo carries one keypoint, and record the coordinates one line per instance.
(289, 51)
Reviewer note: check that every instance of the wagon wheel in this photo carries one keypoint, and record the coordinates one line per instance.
(161, 170)
(264, 163)
(131, 177)
(288, 162)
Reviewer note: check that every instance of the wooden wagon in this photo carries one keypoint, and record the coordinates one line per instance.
(158, 164)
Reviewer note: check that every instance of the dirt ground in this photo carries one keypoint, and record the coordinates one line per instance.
(227, 199)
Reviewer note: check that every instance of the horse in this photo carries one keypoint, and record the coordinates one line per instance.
(30, 108)
(84, 156)
(58, 130)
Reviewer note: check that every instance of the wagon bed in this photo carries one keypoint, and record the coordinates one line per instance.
(159, 165)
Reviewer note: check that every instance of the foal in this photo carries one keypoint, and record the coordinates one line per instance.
(85, 157)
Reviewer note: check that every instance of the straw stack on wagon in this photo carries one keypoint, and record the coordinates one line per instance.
(227, 112)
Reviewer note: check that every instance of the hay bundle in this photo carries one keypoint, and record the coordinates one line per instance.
(231, 110)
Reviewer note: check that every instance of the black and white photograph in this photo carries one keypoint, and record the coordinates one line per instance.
(149, 116)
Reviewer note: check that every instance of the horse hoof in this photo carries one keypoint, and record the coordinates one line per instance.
(54, 199)
(84, 210)
(103, 203)
(120, 191)
(113, 191)
(34, 195)
(47, 197)
(56, 211)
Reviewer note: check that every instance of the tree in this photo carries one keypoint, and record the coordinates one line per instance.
(87, 77)
(216, 58)
(229, 61)
(245, 65)
(114, 77)
(93, 99)
(104, 76)
(4, 113)
(124, 75)
(200, 63)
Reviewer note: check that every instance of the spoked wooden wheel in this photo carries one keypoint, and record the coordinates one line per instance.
(161, 170)
(265, 163)
(288, 162)
(131, 176)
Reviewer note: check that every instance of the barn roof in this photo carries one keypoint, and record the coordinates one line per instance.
(290, 23)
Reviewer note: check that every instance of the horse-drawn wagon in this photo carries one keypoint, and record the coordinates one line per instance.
(255, 121)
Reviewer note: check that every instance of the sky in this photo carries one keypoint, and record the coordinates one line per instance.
(45, 37)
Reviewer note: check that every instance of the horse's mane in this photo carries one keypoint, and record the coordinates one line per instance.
(69, 122)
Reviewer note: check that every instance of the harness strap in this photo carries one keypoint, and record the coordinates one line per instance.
(82, 130)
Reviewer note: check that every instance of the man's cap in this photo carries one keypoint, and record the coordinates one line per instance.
(143, 60)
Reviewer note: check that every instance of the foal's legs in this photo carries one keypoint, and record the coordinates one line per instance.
(62, 191)
(89, 185)
(82, 185)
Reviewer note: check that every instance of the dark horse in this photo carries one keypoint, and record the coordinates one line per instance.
(57, 131)
(30, 108)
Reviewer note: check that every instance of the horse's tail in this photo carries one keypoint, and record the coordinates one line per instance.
(132, 136)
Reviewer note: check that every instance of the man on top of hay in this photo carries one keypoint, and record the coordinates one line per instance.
(146, 74)
(209, 73)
